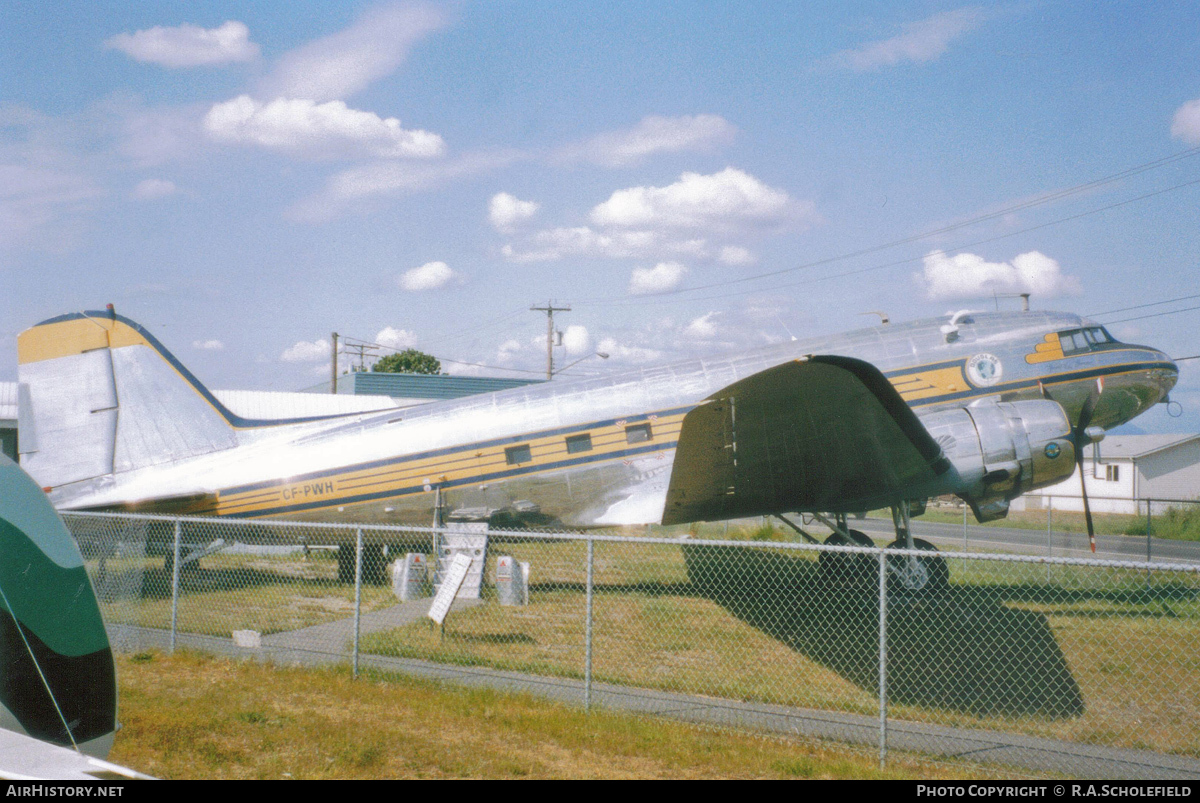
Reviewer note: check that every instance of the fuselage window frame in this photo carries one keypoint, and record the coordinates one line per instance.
(638, 433)
(516, 455)
(1081, 341)
(579, 443)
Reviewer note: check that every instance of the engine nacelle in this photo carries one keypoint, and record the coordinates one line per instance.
(1004, 449)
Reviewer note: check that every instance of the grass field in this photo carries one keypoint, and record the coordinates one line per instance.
(1071, 655)
(191, 716)
(1180, 523)
(1095, 656)
(232, 592)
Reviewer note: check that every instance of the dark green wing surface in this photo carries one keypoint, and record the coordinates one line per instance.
(826, 434)
(59, 683)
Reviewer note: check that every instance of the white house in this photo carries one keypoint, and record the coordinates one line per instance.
(1130, 470)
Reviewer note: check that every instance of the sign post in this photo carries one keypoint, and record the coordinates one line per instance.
(449, 588)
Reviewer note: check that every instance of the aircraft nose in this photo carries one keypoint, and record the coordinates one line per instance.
(1170, 372)
(1163, 375)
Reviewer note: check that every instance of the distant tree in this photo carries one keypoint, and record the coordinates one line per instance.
(409, 361)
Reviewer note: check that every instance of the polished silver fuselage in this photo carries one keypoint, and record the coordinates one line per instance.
(508, 457)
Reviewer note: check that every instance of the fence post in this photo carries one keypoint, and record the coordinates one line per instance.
(175, 587)
(883, 693)
(587, 669)
(1148, 530)
(1049, 532)
(358, 550)
(964, 526)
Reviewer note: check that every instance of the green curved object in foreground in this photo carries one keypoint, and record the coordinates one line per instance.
(59, 684)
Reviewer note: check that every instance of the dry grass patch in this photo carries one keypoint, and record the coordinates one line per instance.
(191, 716)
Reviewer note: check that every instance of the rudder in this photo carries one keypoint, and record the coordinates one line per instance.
(99, 395)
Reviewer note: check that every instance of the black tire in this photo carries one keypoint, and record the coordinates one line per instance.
(841, 569)
(932, 577)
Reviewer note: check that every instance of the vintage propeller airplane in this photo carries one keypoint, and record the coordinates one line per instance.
(986, 406)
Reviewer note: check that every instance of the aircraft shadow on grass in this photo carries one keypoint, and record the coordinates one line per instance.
(962, 649)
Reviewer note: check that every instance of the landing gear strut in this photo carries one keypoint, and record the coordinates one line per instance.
(914, 573)
(909, 573)
(840, 568)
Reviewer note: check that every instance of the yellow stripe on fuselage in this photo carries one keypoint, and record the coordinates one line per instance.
(466, 464)
(935, 382)
(50, 341)
(1048, 350)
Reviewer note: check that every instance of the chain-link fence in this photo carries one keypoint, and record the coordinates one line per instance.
(1084, 667)
(1165, 529)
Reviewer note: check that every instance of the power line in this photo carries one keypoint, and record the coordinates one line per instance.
(1152, 315)
(1141, 306)
(1054, 196)
(907, 260)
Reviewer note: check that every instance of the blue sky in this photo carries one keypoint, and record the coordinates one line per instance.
(244, 179)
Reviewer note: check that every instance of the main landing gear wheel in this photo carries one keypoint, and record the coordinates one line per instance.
(917, 574)
(841, 568)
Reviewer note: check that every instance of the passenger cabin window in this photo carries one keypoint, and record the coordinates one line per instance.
(579, 443)
(638, 433)
(1074, 341)
(515, 455)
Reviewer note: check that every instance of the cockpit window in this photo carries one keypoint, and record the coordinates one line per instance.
(1076, 340)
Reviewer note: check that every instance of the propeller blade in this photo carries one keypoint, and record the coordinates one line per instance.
(1089, 409)
(1079, 436)
(1087, 509)
(1080, 439)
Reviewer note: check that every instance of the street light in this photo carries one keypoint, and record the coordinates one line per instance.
(599, 354)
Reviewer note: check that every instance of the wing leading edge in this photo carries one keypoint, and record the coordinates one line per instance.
(825, 433)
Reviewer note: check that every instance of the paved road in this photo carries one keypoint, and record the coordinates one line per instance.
(1021, 753)
(1033, 542)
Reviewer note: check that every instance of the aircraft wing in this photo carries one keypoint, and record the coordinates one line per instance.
(824, 433)
(24, 758)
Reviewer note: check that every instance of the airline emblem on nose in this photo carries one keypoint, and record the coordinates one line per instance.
(984, 370)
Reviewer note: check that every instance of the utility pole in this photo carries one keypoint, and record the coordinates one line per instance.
(550, 309)
(363, 350)
(333, 383)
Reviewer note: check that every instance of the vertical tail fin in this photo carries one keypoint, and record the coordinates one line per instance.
(59, 682)
(99, 395)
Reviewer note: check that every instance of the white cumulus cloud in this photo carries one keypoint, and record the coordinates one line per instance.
(508, 350)
(317, 130)
(151, 188)
(663, 276)
(1186, 125)
(208, 345)
(306, 351)
(398, 339)
(505, 211)
(360, 185)
(919, 41)
(654, 134)
(584, 241)
(735, 255)
(971, 276)
(632, 354)
(341, 64)
(429, 276)
(728, 199)
(702, 328)
(576, 340)
(188, 45)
